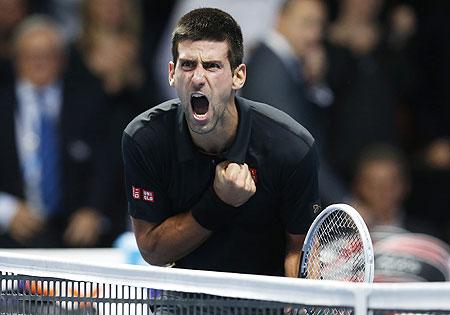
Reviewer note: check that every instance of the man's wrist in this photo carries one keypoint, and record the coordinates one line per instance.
(211, 212)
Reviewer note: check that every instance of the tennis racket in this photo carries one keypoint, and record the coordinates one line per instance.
(338, 247)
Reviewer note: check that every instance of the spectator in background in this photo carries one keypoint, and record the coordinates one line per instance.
(411, 257)
(66, 13)
(432, 98)
(12, 12)
(52, 163)
(111, 19)
(290, 69)
(109, 52)
(368, 112)
(431, 117)
(403, 247)
(275, 70)
(380, 187)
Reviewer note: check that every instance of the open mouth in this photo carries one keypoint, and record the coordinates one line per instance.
(200, 106)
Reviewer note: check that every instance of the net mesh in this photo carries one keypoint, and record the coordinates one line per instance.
(42, 286)
(22, 294)
(336, 251)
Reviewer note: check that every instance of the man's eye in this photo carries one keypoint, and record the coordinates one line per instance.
(211, 65)
(187, 64)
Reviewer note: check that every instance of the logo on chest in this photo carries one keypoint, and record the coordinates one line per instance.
(142, 194)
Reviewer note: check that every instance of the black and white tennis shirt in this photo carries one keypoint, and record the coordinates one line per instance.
(166, 175)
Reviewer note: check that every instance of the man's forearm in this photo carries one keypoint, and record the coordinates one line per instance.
(294, 245)
(169, 241)
(291, 264)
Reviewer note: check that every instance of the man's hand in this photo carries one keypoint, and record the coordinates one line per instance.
(233, 183)
(84, 228)
(25, 224)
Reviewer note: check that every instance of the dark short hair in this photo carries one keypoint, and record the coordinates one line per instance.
(210, 24)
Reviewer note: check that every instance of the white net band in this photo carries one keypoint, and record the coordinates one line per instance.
(30, 283)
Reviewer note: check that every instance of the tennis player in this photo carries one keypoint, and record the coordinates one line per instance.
(215, 181)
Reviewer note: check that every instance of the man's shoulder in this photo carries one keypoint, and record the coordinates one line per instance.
(156, 117)
(259, 55)
(267, 119)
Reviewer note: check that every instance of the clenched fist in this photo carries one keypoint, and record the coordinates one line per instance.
(233, 183)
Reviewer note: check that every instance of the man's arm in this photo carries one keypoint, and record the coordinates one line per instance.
(162, 244)
(179, 235)
(294, 243)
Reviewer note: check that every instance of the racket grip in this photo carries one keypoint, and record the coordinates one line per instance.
(211, 212)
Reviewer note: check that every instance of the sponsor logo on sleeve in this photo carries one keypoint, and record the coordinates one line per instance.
(136, 193)
(148, 195)
(142, 194)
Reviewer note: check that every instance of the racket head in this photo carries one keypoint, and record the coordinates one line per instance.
(338, 247)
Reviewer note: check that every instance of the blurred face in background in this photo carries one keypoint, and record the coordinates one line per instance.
(302, 23)
(39, 56)
(382, 186)
(109, 14)
(11, 13)
(362, 9)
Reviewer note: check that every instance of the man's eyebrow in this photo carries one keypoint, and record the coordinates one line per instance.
(187, 59)
(212, 61)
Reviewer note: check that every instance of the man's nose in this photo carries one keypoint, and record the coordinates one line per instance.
(198, 77)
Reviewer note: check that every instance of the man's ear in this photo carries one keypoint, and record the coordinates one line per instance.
(171, 73)
(239, 76)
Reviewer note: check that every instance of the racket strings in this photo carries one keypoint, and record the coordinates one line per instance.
(336, 252)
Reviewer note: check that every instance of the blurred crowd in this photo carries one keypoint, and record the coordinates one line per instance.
(369, 78)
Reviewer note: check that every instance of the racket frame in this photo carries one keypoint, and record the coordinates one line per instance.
(362, 229)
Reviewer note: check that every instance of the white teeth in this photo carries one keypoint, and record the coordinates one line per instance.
(200, 116)
(197, 95)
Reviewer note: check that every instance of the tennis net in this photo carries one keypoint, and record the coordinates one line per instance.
(35, 285)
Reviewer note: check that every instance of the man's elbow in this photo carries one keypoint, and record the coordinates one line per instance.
(153, 258)
(148, 247)
(148, 242)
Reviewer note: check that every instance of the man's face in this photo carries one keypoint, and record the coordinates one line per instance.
(303, 24)
(39, 57)
(382, 185)
(205, 83)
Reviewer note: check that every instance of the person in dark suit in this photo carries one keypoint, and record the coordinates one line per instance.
(53, 162)
(288, 70)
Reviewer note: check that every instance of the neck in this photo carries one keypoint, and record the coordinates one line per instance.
(223, 135)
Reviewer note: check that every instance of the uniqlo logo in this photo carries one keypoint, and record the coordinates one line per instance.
(253, 173)
(148, 195)
(136, 192)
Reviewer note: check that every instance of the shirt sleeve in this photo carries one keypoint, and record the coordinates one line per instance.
(300, 194)
(146, 197)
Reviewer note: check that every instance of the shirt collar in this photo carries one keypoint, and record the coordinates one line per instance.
(26, 85)
(238, 150)
(52, 93)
